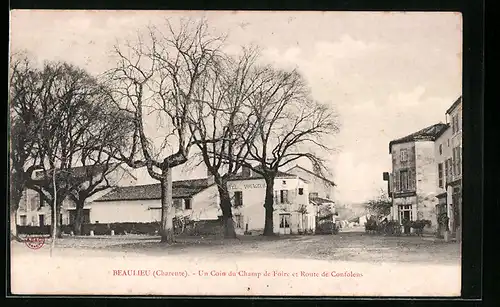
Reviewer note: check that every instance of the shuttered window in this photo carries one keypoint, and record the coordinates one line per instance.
(412, 179)
(404, 180)
(396, 182)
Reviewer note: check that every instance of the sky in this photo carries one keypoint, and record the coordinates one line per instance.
(387, 74)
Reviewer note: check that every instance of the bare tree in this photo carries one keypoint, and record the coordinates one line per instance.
(99, 144)
(23, 126)
(222, 122)
(380, 206)
(290, 126)
(158, 75)
(67, 108)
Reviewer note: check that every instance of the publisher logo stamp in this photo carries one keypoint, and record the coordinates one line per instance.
(34, 242)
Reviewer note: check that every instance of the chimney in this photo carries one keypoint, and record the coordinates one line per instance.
(246, 171)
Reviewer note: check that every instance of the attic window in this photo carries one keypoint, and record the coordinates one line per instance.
(403, 155)
(301, 191)
(284, 181)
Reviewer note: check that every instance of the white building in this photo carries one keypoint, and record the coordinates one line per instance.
(319, 186)
(198, 198)
(33, 211)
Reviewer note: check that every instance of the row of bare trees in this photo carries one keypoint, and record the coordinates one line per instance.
(59, 118)
(180, 97)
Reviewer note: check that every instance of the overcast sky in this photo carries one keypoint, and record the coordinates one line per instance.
(387, 74)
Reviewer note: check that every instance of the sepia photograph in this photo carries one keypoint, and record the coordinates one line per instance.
(235, 153)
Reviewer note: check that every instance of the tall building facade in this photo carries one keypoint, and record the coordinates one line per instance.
(448, 153)
(426, 177)
(414, 176)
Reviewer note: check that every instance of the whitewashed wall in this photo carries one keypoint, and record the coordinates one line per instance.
(28, 207)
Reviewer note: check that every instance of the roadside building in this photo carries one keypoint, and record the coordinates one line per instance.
(415, 176)
(198, 199)
(319, 186)
(34, 211)
(448, 152)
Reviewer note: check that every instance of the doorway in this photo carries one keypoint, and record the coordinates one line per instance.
(405, 215)
(285, 223)
(41, 220)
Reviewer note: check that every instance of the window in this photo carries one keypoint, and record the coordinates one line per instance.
(284, 197)
(284, 181)
(187, 203)
(301, 191)
(313, 195)
(450, 168)
(448, 142)
(457, 160)
(23, 220)
(238, 221)
(440, 149)
(403, 155)
(455, 125)
(238, 198)
(41, 220)
(440, 175)
(403, 180)
(447, 171)
(284, 220)
(34, 201)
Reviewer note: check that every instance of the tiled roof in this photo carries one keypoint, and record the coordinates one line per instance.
(314, 174)
(320, 201)
(454, 105)
(427, 134)
(180, 189)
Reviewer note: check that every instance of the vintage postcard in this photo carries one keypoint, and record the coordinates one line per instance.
(241, 153)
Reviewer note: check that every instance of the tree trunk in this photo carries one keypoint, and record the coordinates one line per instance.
(268, 205)
(167, 225)
(13, 223)
(227, 214)
(55, 225)
(77, 223)
(15, 199)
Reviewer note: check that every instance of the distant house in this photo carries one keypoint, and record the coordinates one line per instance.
(363, 219)
(324, 203)
(33, 211)
(199, 199)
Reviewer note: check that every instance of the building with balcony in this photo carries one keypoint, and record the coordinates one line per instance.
(414, 176)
